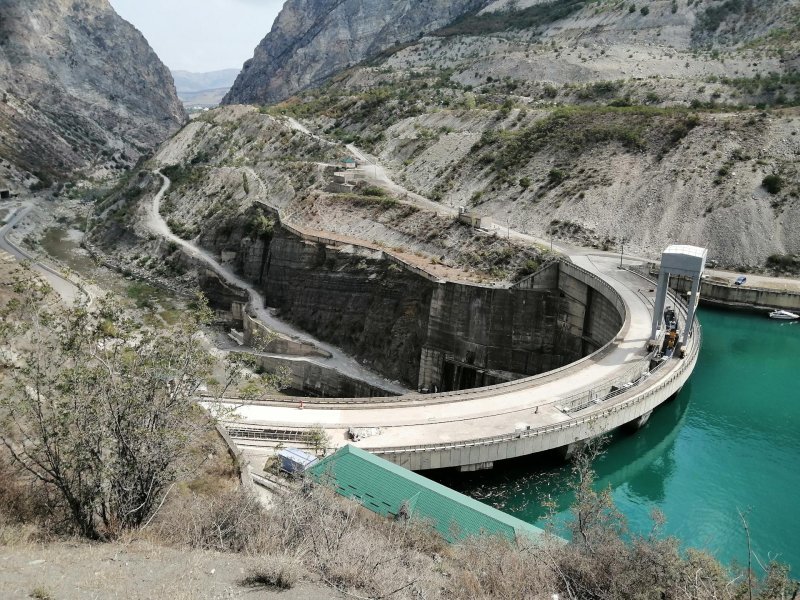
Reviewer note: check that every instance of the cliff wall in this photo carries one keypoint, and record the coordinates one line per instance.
(356, 300)
(80, 87)
(435, 336)
(313, 39)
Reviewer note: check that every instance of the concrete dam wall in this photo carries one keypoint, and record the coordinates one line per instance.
(436, 336)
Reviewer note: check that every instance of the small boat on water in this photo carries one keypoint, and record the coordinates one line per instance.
(783, 314)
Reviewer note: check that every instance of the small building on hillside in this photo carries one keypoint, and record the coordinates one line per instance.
(349, 163)
(395, 492)
(341, 184)
(294, 460)
(474, 219)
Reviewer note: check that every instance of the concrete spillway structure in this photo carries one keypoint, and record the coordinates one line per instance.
(685, 261)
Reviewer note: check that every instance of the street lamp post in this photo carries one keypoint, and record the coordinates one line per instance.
(621, 252)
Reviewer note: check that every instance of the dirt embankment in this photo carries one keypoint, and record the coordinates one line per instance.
(597, 176)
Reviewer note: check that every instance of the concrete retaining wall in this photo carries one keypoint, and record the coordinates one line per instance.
(313, 379)
(739, 296)
(255, 333)
(410, 326)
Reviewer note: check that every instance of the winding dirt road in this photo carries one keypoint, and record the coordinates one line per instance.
(339, 361)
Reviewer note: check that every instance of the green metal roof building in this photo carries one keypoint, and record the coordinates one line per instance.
(383, 487)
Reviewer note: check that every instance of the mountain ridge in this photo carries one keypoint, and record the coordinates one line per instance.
(313, 39)
(81, 89)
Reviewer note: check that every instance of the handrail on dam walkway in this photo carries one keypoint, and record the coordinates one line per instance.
(619, 390)
(686, 363)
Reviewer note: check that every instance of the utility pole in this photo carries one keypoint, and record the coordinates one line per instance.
(621, 252)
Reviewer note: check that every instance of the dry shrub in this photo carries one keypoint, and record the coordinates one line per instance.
(366, 555)
(311, 528)
(231, 522)
(494, 567)
(27, 512)
(643, 569)
(355, 550)
(12, 534)
(281, 572)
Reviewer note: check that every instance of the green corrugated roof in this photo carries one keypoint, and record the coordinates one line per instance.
(382, 486)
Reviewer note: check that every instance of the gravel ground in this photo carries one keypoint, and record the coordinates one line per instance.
(135, 571)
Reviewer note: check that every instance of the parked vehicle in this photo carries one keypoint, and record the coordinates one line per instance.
(740, 280)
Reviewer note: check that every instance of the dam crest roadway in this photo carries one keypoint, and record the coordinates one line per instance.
(618, 384)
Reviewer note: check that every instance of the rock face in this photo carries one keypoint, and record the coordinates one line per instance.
(79, 87)
(312, 39)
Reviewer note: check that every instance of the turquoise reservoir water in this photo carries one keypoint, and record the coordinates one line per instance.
(730, 440)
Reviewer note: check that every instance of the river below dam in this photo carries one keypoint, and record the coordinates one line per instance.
(730, 441)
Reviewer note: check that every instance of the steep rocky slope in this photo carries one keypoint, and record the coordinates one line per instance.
(255, 193)
(80, 87)
(598, 122)
(312, 39)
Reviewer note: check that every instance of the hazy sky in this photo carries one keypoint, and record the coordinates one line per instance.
(201, 35)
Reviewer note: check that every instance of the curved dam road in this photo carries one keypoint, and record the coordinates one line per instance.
(473, 428)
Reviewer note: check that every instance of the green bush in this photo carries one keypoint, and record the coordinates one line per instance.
(772, 183)
(714, 15)
(784, 262)
(556, 176)
(261, 225)
(645, 11)
(374, 191)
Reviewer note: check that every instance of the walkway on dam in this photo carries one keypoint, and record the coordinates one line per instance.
(563, 397)
(480, 413)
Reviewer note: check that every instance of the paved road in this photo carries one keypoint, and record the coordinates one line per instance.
(480, 415)
(339, 360)
(65, 288)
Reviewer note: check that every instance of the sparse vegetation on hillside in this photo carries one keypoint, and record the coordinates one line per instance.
(532, 17)
(712, 17)
(572, 131)
(310, 532)
(772, 183)
(99, 413)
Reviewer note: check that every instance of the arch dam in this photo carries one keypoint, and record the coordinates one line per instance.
(560, 357)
